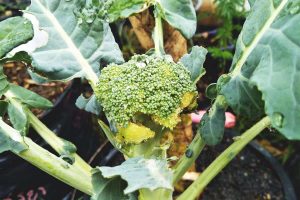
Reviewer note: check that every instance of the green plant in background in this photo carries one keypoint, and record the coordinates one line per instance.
(227, 12)
(143, 97)
(2, 8)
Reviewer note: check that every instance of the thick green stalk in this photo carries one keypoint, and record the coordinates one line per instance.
(194, 190)
(158, 35)
(189, 158)
(47, 161)
(56, 167)
(55, 142)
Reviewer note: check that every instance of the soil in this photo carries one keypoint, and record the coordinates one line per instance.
(17, 74)
(9, 8)
(293, 168)
(249, 176)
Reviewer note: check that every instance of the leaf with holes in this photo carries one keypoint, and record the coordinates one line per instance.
(18, 116)
(14, 32)
(149, 174)
(74, 49)
(10, 139)
(28, 97)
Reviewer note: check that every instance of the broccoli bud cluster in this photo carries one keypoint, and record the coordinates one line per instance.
(148, 85)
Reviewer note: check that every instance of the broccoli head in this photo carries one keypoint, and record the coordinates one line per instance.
(156, 87)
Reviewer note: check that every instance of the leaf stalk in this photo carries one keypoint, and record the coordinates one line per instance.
(185, 161)
(158, 35)
(56, 142)
(48, 162)
(194, 190)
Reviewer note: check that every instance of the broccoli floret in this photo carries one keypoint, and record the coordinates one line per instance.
(154, 86)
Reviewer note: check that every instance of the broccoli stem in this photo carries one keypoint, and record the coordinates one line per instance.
(50, 163)
(194, 190)
(58, 144)
(158, 34)
(55, 142)
(56, 167)
(195, 148)
(185, 162)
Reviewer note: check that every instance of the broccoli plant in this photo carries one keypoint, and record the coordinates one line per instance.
(144, 98)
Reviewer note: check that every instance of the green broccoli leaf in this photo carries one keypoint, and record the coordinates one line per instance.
(4, 84)
(150, 173)
(212, 124)
(90, 105)
(17, 95)
(277, 75)
(10, 139)
(265, 67)
(124, 8)
(240, 94)
(20, 56)
(194, 62)
(244, 98)
(251, 2)
(108, 189)
(74, 48)
(28, 97)
(180, 14)
(14, 32)
(18, 116)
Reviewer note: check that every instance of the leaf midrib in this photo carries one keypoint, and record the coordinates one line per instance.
(86, 67)
(248, 50)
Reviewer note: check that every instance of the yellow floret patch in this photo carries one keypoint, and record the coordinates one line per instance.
(189, 100)
(134, 133)
(171, 121)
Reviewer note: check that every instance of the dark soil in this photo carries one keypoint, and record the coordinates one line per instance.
(293, 168)
(17, 74)
(249, 176)
(9, 8)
